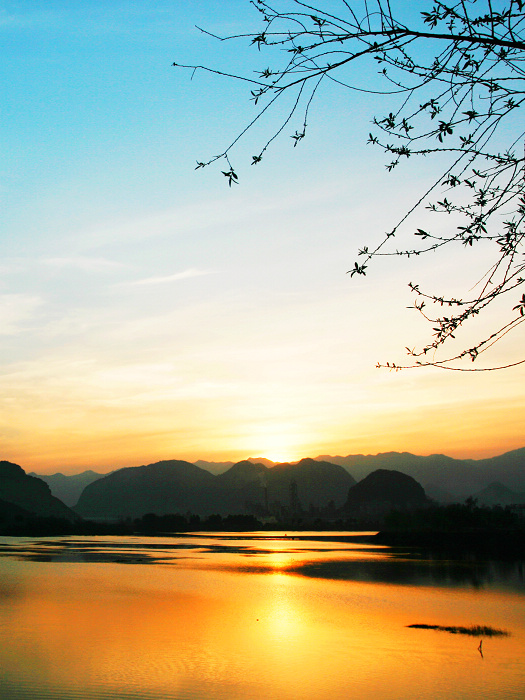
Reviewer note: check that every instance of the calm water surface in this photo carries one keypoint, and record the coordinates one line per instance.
(260, 616)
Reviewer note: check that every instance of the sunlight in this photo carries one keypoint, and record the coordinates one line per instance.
(279, 443)
(279, 457)
(283, 618)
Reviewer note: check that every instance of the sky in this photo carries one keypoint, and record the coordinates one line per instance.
(148, 311)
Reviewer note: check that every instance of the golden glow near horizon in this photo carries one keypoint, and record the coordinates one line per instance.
(148, 311)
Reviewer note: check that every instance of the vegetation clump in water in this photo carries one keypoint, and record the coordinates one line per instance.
(473, 630)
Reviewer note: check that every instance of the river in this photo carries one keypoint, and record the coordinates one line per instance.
(259, 616)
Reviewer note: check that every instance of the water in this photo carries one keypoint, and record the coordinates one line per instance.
(259, 616)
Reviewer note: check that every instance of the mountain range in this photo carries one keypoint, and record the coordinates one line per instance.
(444, 479)
(323, 485)
(176, 486)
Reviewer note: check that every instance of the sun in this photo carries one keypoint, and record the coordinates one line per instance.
(278, 457)
(277, 443)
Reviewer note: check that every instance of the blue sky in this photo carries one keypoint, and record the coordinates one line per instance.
(148, 311)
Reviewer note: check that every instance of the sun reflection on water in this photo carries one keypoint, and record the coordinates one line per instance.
(110, 630)
(282, 619)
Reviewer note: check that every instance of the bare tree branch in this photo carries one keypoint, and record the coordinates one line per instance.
(457, 69)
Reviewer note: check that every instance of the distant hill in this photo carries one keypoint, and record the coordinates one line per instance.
(221, 467)
(508, 468)
(68, 487)
(30, 494)
(178, 487)
(172, 486)
(313, 483)
(318, 482)
(498, 494)
(381, 491)
(243, 483)
(264, 460)
(213, 467)
(443, 477)
(243, 474)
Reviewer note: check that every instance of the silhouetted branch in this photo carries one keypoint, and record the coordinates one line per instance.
(458, 71)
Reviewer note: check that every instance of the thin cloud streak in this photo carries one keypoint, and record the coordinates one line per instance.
(84, 263)
(15, 309)
(166, 279)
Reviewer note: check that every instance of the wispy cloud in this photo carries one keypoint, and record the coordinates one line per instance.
(15, 309)
(30, 18)
(84, 263)
(166, 279)
(214, 213)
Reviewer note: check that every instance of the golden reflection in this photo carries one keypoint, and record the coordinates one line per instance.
(110, 630)
(280, 560)
(282, 619)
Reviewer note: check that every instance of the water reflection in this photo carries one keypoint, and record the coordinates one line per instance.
(327, 621)
(336, 556)
(426, 572)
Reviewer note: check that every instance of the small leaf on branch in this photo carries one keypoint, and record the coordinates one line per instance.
(444, 128)
(232, 177)
(297, 137)
(521, 306)
(358, 270)
(259, 39)
(452, 181)
(255, 94)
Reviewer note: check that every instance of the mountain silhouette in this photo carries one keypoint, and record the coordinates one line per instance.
(314, 483)
(30, 494)
(498, 494)
(243, 483)
(178, 487)
(213, 467)
(383, 490)
(68, 487)
(244, 474)
(171, 486)
(442, 477)
(318, 482)
(262, 487)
